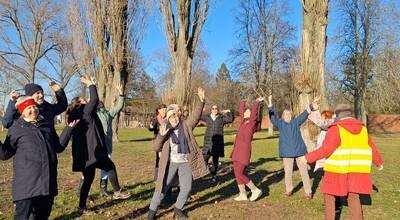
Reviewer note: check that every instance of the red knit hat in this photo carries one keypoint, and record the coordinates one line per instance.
(24, 103)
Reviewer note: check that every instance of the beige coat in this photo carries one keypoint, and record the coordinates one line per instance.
(196, 161)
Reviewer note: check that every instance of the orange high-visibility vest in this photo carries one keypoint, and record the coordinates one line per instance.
(354, 155)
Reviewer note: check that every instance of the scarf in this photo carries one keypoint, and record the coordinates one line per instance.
(180, 140)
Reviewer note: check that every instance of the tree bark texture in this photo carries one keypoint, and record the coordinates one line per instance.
(182, 37)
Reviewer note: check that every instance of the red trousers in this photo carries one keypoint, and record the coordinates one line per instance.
(238, 169)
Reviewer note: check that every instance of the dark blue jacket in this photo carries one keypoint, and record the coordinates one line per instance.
(291, 143)
(46, 110)
(34, 148)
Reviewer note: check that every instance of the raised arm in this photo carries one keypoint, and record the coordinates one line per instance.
(91, 106)
(9, 148)
(117, 107)
(120, 102)
(299, 120)
(228, 118)
(62, 102)
(242, 106)
(316, 118)
(254, 111)
(10, 115)
(275, 121)
(194, 118)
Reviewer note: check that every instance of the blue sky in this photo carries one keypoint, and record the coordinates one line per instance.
(217, 34)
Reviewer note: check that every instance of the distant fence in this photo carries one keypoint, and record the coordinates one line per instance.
(383, 123)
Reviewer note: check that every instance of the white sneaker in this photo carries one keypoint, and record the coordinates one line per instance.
(255, 194)
(241, 197)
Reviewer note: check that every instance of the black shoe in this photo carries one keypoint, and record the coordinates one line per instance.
(152, 215)
(103, 188)
(180, 214)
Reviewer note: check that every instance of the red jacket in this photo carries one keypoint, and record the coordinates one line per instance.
(242, 146)
(341, 184)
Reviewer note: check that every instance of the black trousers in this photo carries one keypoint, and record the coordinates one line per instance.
(215, 161)
(39, 207)
(89, 173)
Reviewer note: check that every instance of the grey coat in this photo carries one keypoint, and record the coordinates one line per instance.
(196, 161)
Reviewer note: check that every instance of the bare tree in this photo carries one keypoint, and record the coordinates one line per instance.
(264, 36)
(109, 35)
(359, 38)
(182, 37)
(27, 31)
(311, 81)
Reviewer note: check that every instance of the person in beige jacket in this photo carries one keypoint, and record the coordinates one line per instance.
(180, 155)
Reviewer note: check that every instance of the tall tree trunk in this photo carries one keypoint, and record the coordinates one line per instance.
(312, 84)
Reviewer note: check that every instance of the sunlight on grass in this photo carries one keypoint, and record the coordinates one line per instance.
(135, 165)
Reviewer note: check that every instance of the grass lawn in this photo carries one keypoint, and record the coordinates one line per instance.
(135, 160)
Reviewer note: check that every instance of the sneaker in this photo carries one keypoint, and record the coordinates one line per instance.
(255, 194)
(241, 197)
(180, 214)
(121, 195)
(308, 196)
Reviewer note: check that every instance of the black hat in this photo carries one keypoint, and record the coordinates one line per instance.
(31, 88)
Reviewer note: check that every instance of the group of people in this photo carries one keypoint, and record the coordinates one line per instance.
(33, 142)
(343, 141)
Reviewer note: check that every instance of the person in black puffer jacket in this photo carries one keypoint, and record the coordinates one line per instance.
(214, 136)
(34, 144)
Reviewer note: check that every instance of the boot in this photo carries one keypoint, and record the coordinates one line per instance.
(78, 191)
(103, 188)
(242, 193)
(180, 214)
(152, 215)
(255, 192)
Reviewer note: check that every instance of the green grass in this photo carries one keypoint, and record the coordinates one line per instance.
(135, 160)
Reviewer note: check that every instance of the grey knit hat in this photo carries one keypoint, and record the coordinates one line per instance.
(343, 111)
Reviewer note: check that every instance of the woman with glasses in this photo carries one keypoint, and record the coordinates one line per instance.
(214, 136)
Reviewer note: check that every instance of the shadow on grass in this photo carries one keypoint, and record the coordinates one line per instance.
(225, 175)
(138, 140)
(141, 195)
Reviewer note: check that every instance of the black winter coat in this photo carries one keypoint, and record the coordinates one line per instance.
(88, 139)
(214, 136)
(46, 110)
(35, 148)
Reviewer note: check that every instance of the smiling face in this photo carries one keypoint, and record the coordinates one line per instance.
(174, 120)
(214, 110)
(30, 113)
(38, 97)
